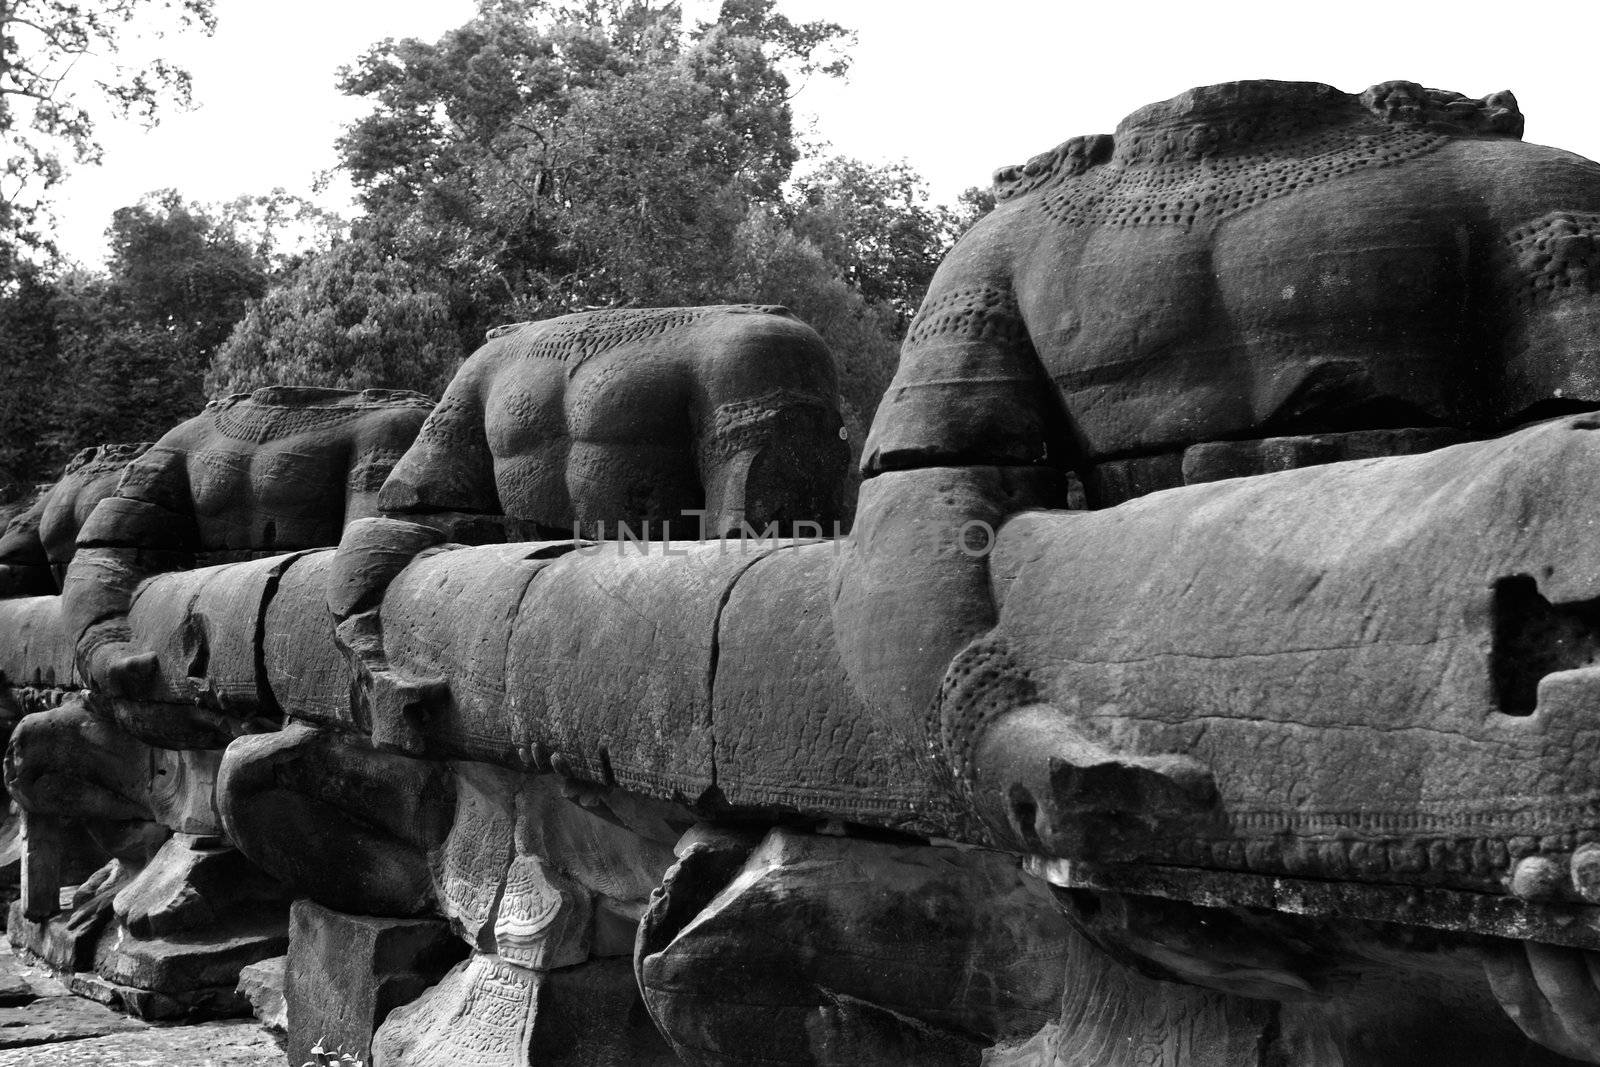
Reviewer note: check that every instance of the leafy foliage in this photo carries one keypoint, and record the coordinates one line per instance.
(56, 71)
(121, 355)
(352, 318)
(29, 362)
(567, 156)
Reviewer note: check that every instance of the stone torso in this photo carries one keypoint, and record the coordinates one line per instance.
(281, 468)
(1258, 260)
(92, 476)
(636, 416)
(592, 420)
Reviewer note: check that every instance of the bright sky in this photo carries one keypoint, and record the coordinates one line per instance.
(956, 88)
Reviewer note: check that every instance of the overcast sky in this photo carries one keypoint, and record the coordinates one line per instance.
(956, 88)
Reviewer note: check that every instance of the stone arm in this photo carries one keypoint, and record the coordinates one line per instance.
(446, 478)
(960, 442)
(148, 527)
(381, 440)
(768, 431)
(24, 564)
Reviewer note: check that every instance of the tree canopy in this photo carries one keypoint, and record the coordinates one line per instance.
(121, 355)
(58, 75)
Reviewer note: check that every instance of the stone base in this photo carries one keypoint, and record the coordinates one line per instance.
(191, 976)
(493, 1013)
(65, 943)
(346, 973)
(262, 985)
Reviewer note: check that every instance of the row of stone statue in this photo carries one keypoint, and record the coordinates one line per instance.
(1279, 759)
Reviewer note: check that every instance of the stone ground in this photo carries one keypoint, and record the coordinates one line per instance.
(43, 1025)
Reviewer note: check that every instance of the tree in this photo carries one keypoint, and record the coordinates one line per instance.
(121, 379)
(29, 375)
(120, 355)
(876, 223)
(57, 70)
(176, 266)
(351, 318)
(571, 155)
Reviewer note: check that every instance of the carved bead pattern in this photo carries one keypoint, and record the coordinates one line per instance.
(1177, 179)
(574, 339)
(1557, 255)
(745, 424)
(973, 314)
(1259, 150)
(983, 682)
(243, 417)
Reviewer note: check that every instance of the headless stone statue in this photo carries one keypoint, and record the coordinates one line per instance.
(692, 420)
(1249, 277)
(38, 544)
(251, 478)
(36, 660)
(680, 422)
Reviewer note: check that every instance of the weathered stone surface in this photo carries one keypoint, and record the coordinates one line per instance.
(614, 844)
(1294, 675)
(49, 1028)
(197, 969)
(470, 869)
(487, 1010)
(346, 973)
(277, 785)
(817, 946)
(196, 883)
(652, 415)
(1283, 247)
(36, 651)
(306, 672)
(59, 1018)
(272, 472)
(37, 544)
(545, 920)
(236, 1044)
(66, 942)
(1378, 652)
(262, 984)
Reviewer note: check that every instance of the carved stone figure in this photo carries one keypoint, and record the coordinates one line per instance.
(38, 544)
(1248, 277)
(680, 420)
(152, 623)
(36, 661)
(688, 419)
(1255, 770)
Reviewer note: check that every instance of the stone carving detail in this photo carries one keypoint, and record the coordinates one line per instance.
(1314, 743)
(1559, 255)
(172, 658)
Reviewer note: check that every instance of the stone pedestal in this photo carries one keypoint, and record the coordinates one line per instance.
(493, 1012)
(179, 976)
(346, 973)
(262, 985)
